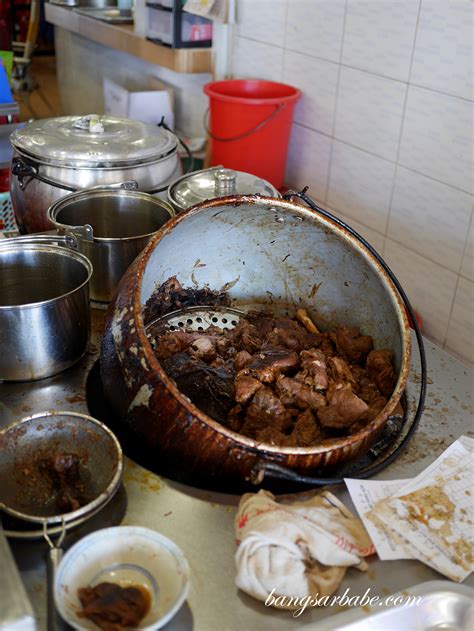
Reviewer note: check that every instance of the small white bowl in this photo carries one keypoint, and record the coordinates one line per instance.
(124, 555)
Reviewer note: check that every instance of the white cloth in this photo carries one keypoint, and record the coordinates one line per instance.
(299, 549)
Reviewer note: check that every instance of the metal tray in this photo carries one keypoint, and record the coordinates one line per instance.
(112, 16)
(442, 606)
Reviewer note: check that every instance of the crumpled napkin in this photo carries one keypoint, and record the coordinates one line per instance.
(296, 550)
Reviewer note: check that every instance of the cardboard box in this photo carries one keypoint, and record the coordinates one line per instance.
(147, 105)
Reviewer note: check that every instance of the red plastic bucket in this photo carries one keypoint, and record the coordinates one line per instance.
(249, 124)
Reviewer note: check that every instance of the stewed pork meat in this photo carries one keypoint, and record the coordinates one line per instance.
(280, 380)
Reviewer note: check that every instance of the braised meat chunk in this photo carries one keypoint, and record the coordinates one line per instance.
(246, 387)
(293, 393)
(313, 369)
(265, 410)
(351, 344)
(280, 380)
(344, 409)
(380, 366)
(112, 607)
(306, 431)
(269, 363)
(172, 342)
(64, 472)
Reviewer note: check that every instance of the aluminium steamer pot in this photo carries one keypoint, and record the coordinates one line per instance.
(269, 253)
(44, 306)
(56, 156)
(111, 228)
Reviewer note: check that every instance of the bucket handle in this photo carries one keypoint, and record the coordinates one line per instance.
(264, 470)
(276, 111)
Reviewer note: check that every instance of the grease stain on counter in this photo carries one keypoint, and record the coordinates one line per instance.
(148, 481)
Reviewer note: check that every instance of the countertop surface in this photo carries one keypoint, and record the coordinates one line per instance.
(201, 522)
(122, 37)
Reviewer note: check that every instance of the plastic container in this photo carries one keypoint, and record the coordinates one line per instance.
(249, 124)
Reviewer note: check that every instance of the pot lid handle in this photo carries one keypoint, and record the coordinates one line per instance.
(225, 182)
(90, 123)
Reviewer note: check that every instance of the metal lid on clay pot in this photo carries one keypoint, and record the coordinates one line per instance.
(93, 141)
(198, 186)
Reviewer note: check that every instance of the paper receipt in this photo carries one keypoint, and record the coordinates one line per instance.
(429, 518)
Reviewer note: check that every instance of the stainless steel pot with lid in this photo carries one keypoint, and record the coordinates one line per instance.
(44, 306)
(111, 227)
(56, 156)
(194, 188)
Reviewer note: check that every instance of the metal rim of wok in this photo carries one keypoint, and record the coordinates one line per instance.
(351, 237)
(271, 470)
(83, 512)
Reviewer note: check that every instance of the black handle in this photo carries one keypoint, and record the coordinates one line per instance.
(263, 469)
(185, 147)
(23, 170)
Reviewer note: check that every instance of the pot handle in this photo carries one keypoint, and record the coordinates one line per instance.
(23, 170)
(263, 469)
(66, 241)
(128, 185)
(54, 557)
(185, 147)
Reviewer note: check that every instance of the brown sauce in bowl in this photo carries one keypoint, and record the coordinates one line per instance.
(112, 607)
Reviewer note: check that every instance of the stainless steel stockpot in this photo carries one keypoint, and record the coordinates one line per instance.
(44, 306)
(56, 156)
(111, 227)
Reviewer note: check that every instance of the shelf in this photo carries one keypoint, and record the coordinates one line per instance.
(123, 38)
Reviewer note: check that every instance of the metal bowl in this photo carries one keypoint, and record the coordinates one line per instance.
(27, 493)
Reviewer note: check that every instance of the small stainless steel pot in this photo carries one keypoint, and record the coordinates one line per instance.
(44, 306)
(199, 186)
(111, 226)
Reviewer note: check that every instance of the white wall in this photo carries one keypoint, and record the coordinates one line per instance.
(81, 66)
(383, 133)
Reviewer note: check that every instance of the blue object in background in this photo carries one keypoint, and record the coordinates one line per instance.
(5, 92)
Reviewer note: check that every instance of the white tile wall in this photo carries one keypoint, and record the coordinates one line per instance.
(315, 27)
(443, 51)
(460, 339)
(429, 287)
(308, 161)
(254, 60)
(360, 185)
(317, 80)
(379, 36)
(369, 112)
(467, 268)
(430, 218)
(263, 21)
(383, 133)
(437, 137)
